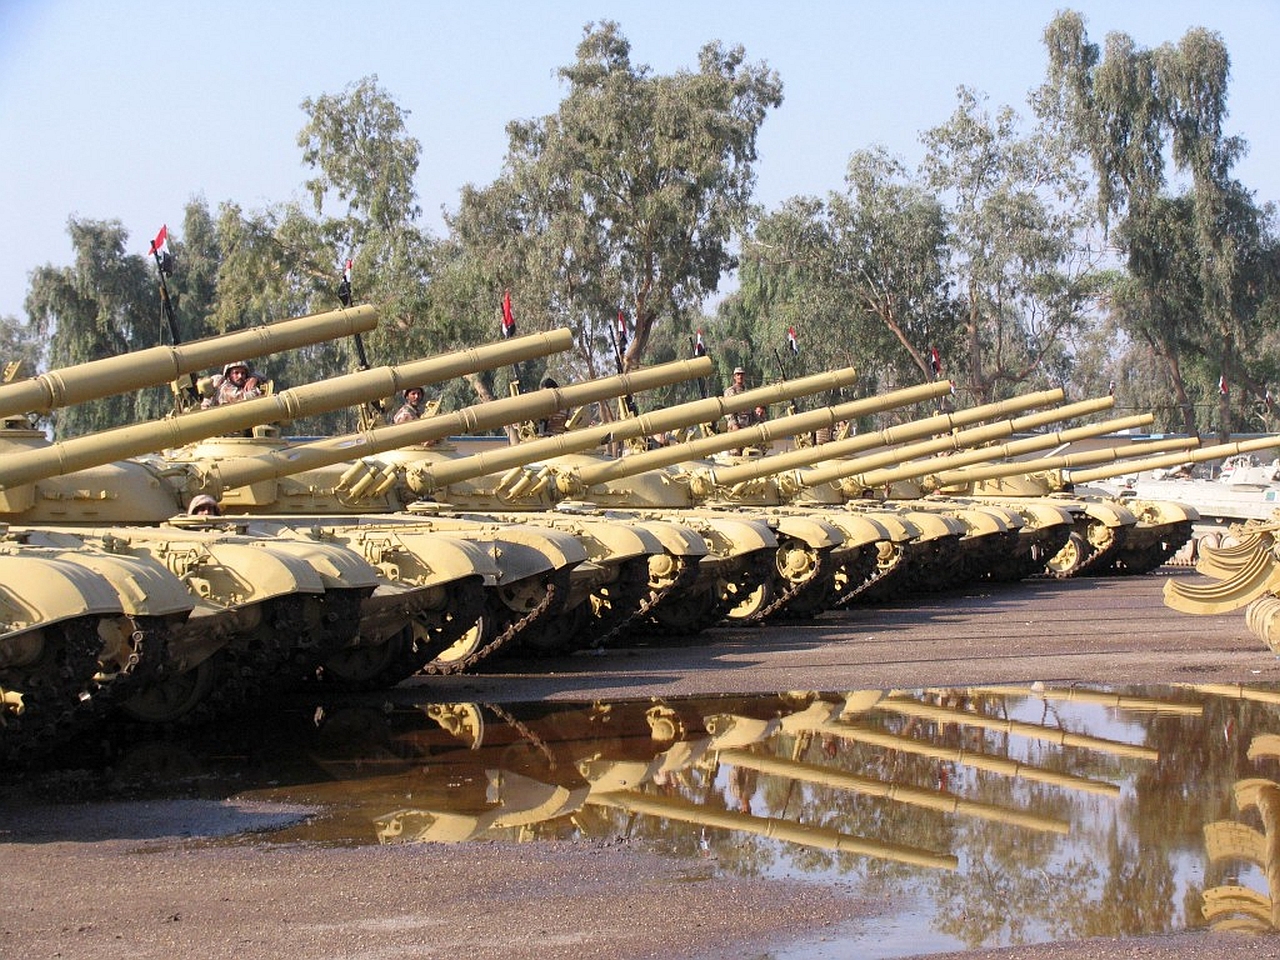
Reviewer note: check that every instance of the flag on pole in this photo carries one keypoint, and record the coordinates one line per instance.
(1111, 389)
(699, 350)
(508, 318)
(792, 342)
(160, 239)
(1222, 385)
(935, 361)
(344, 286)
(622, 332)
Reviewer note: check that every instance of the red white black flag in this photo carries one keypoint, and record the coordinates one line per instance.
(935, 361)
(508, 318)
(699, 350)
(1222, 385)
(792, 342)
(160, 239)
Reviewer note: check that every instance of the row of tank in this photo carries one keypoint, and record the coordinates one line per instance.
(367, 558)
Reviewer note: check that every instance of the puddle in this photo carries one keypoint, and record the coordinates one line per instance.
(982, 817)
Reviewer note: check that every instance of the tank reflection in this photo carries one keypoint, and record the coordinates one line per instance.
(990, 816)
(1244, 854)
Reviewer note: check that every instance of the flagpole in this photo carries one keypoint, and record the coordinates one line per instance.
(164, 266)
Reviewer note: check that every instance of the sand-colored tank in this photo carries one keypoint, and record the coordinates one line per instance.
(282, 602)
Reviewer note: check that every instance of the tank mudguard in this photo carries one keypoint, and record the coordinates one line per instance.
(1110, 514)
(145, 587)
(935, 526)
(819, 534)
(677, 540)
(860, 530)
(247, 573)
(337, 566)
(38, 591)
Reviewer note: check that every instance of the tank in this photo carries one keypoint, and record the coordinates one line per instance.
(1036, 511)
(1242, 487)
(195, 606)
(952, 539)
(806, 545)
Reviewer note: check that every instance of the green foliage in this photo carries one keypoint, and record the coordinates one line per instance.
(1197, 283)
(103, 305)
(626, 198)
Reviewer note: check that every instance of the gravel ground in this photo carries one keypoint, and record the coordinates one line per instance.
(143, 880)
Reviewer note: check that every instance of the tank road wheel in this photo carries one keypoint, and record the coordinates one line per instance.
(608, 609)
(1070, 560)
(171, 698)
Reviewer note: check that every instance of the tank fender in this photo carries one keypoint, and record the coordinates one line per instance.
(677, 540)
(982, 523)
(145, 587)
(1164, 511)
(444, 559)
(562, 549)
(1045, 514)
(899, 528)
(247, 573)
(338, 567)
(860, 530)
(613, 542)
(818, 534)
(935, 526)
(1110, 514)
(734, 537)
(52, 590)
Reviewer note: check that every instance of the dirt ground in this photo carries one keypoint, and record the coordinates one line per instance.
(143, 880)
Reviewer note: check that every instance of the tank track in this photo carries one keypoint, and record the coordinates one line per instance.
(1095, 559)
(854, 575)
(466, 604)
(642, 623)
(52, 689)
(808, 598)
(1131, 562)
(553, 600)
(149, 643)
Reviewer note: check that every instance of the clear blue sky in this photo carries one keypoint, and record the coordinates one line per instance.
(128, 110)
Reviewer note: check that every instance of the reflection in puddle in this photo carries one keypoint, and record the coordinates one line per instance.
(982, 816)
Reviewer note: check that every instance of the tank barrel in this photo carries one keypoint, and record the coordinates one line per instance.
(916, 429)
(925, 797)
(157, 365)
(959, 440)
(789, 831)
(1172, 460)
(80, 453)
(478, 418)
(995, 471)
(761, 433)
(933, 467)
(433, 476)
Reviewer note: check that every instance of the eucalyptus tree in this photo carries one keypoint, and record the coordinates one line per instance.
(627, 198)
(104, 304)
(1136, 111)
(1016, 220)
(860, 276)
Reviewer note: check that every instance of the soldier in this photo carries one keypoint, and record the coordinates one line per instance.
(414, 404)
(742, 418)
(204, 505)
(238, 382)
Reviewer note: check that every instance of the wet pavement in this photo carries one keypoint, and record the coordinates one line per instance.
(983, 804)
